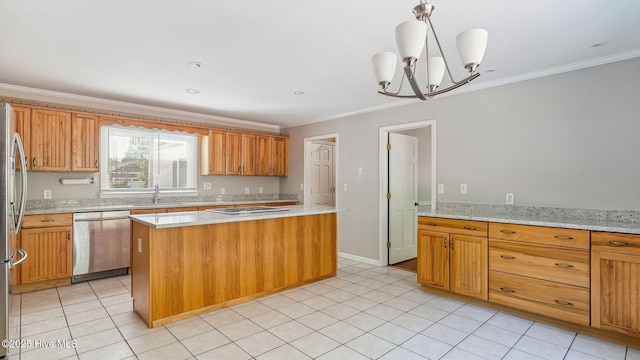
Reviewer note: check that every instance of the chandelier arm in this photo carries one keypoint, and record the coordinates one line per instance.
(413, 83)
(433, 93)
(446, 65)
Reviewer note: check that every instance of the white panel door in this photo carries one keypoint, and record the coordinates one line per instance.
(323, 183)
(403, 187)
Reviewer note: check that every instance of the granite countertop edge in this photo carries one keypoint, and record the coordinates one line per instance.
(195, 218)
(91, 208)
(568, 223)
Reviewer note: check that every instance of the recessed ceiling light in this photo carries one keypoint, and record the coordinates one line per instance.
(298, 93)
(195, 64)
(192, 91)
(597, 44)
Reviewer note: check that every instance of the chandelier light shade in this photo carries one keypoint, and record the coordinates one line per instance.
(384, 67)
(412, 40)
(471, 45)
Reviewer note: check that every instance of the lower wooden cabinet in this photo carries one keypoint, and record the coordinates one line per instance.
(47, 241)
(451, 261)
(615, 282)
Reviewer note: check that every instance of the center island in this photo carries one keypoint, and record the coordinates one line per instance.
(186, 264)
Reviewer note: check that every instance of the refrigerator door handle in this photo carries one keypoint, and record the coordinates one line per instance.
(23, 257)
(23, 170)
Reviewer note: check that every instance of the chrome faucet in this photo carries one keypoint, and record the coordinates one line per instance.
(156, 193)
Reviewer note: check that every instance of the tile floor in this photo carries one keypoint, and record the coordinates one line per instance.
(366, 312)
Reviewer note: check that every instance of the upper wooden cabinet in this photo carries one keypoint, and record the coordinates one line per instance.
(58, 140)
(85, 152)
(213, 153)
(272, 155)
(240, 153)
(50, 140)
(23, 127)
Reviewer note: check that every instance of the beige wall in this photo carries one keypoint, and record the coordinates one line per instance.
(568, 140)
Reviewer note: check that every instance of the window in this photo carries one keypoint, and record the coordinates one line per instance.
(135, 159)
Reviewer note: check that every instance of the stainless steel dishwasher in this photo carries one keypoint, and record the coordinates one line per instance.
(101, 244)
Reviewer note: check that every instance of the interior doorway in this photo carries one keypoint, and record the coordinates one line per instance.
(392, 225)
(320, 170)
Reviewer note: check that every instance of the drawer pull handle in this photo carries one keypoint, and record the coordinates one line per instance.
(431, 224)
(508, 257)
(563, 303)
(469, 227)
(563, 237)
(507, 290)
(507, 232)
(619, 243)
(47, 220)
(566, 266)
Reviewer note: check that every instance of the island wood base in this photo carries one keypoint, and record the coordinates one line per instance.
(181, 272)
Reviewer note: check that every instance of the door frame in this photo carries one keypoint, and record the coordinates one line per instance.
(307, 166)
(383, 205)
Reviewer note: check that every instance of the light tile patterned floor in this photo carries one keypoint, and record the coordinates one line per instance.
(366, 312)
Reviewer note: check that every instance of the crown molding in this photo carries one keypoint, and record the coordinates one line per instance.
(34, 94)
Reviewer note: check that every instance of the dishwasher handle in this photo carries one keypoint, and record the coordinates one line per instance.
(103, 219)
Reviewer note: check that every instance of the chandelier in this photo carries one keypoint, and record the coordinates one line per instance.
(411, 38)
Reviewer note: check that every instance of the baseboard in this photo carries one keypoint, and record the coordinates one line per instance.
(360, 258)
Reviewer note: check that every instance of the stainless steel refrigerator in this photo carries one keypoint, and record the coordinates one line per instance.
(13, 194)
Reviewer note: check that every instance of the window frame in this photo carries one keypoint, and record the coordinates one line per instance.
(155, 135)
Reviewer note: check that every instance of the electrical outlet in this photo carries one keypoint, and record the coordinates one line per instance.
(47, 194)
(207, 186)
(221, 191)
(246, 191)
(510, 199)
(260, 190)
(440, 188)
(463, 189)
(301, 186)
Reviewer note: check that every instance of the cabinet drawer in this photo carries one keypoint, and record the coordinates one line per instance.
(38, 221)
(569, 266)
(540, 234)
(615, 242)
(463, 227)
(563, 302)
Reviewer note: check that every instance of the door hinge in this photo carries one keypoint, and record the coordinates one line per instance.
(388, 196)
(388, 245)
(388, 146)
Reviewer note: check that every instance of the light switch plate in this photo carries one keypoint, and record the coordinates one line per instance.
(246, 191)
(47, 194)
(222, 191)
(207, 186)
(440, 188)
(345, 187)
(463, 189)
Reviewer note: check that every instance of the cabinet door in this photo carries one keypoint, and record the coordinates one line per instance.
(50, 140)
(49, 254)
(248, 154)
(217, 152)
(263, 155)
(468, 256)
(23, 127)
(615, 292)
(85, 146)
(233, 153)
(433, 259)
(279, 156)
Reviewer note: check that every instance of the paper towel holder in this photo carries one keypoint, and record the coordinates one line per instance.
(88, 181)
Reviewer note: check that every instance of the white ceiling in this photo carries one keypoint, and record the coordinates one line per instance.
(256, 54)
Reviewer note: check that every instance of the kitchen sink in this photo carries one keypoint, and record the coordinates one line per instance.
(248, 210)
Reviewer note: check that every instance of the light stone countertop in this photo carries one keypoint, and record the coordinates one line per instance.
(569, 222)
(112, 207)
(192, 218)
